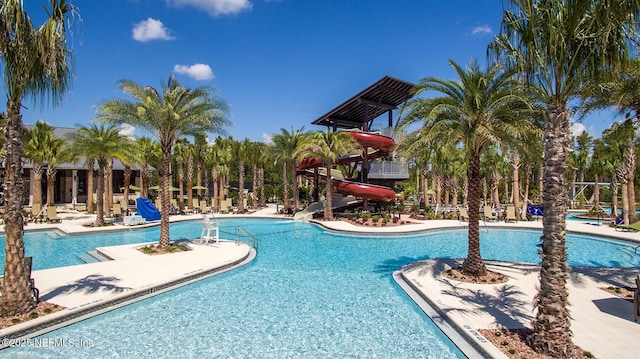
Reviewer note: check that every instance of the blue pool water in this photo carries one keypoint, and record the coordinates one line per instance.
(309, 293)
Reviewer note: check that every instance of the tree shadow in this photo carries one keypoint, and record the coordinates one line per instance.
(505, 306)
(89, 284)
(615, 306)
(617, 277)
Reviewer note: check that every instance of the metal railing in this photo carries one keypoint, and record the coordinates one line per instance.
(241, 235)
(388, 170)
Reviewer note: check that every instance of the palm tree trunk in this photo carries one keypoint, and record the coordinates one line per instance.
(90, 186)
(474, 264)
(255, 185)
(100, 196)
(36, 186)
(216, 182)
(328, 208)
(51, 181)
(525, 202)
(551, 327)
(596, 191)
(285, 187)
(263, 200)
(515, 187)
(16, 297)
(241, 187)
(631, 192)
(127, 182)
(296, 191)
(165, 195)
(624, 193)
(190, 181)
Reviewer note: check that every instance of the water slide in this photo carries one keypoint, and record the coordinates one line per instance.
(377, 146)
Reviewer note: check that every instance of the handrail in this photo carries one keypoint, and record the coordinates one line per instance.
(253, 241)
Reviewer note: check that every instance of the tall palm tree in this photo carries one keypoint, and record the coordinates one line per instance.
(558, 46)
(148, 155)
(103, 143)
(190, 153)
(328, 147)
(37, 67)
(480, 109)
(180, 156)
(57, 153)
(36, 141)
(174, 112)
(284, 146)
(242, 151)
(199, 149)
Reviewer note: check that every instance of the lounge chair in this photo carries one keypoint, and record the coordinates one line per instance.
(204, 208)
(209, 226)
(52, 215)
(489, 215)
(37, 213)
(117, 210)
(195, 205)
(511, 214)
(636, 300)
(463, 215)
(633, 227)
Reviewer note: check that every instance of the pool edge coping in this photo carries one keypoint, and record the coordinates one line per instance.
(56, 322)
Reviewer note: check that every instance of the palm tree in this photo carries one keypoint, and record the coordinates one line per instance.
(57, 153)
(480, 109)
(328, 147)
(148, 154)
(180, 156)
(35, 151)
(103, 144)
(558, 46)
(190, 152)
(284, 146)
(36, 67)
(199, 148)
(242, 151)
(623, 94)
(174, 112)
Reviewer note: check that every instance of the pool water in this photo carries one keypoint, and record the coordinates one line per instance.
(309, 293)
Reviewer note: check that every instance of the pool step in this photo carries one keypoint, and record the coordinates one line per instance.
(93, 257)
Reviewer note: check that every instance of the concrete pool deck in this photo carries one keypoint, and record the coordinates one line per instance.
(602, 323)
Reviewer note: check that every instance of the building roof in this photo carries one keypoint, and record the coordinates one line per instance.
(384, 95)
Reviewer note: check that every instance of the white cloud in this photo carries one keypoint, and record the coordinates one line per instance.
(127, 130)
(267, 138)
(577, 128)
(197, 71)
(216, 7)
(150, 29)
(484, 29)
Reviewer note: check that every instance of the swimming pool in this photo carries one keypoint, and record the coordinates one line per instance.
(309, 293)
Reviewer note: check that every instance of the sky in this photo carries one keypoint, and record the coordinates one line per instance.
(276, 63)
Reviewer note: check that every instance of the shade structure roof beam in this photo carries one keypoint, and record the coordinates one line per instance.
(383, 96)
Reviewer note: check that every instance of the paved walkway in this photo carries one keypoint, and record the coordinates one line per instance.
(601, 323)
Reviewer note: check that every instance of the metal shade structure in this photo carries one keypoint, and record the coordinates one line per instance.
(359, 111)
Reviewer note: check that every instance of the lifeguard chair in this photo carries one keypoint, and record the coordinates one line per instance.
(210, 230)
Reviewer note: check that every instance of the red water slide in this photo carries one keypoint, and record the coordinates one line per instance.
(382, 146)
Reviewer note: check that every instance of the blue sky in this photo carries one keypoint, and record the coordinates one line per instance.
(277, 63)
